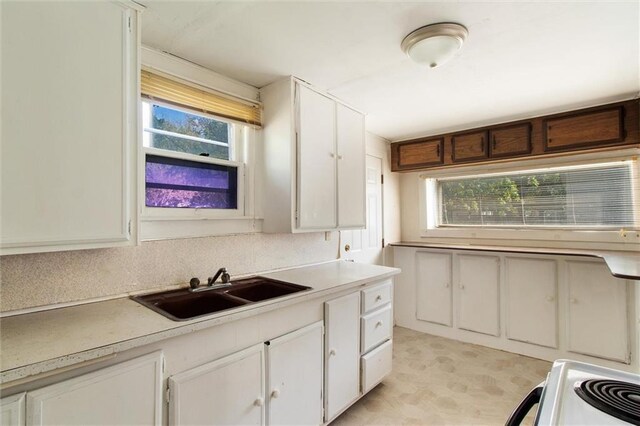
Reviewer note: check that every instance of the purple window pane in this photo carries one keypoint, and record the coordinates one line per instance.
(178, 183)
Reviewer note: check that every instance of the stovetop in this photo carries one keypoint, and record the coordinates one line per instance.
(577, 393)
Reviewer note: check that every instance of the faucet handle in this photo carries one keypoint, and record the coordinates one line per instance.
(194, 283)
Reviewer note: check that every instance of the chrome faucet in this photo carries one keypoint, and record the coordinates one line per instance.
(225, 277)
(211, 281)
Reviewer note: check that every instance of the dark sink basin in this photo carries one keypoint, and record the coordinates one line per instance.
(183, 305)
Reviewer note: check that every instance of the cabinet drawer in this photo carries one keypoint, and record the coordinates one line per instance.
(375, 297)
(376, 365)
(584, 130)
(376, 328)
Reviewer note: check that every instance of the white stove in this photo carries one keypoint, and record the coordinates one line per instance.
(576, 393)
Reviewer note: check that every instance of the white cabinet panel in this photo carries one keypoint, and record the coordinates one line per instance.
(598, 321)
(342, 353)
(69, 90)
(127, 393)
(223, 392)
(351, 163)
(12, 410)
(479, 299)
(377, 296)
(316, 160)
(295, 377)
(532, 307)
(433, 287)
(376, 328)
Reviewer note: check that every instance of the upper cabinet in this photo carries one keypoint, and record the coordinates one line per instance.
(599, 128)
(69, 125)
(314, 157)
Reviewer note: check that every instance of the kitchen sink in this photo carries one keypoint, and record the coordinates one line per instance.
(183, 305)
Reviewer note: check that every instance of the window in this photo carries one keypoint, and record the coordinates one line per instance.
(601, 196)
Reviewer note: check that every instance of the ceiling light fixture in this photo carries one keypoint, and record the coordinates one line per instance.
(434, 44)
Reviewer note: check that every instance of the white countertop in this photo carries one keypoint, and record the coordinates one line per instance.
(43, 341)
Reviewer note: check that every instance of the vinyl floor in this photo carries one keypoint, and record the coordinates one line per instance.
(438, 381)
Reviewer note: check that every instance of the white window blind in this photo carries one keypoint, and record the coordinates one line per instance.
(596, 196)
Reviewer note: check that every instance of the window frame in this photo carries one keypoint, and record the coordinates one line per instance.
(575, 236)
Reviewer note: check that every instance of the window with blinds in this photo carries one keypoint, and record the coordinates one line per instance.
(582, 197)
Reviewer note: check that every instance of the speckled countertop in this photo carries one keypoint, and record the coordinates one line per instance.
(622, 264)
(43, 341)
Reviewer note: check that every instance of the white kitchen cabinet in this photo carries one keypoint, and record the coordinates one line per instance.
(433, 287)
(478, 282)
(69, 125)
(12, 410)
(342, 353)
(294, 389)
(376, 365)
(597, 311)
(314, 160)
(279, 385)
(532, 307)
(126, 393)
(227, 391)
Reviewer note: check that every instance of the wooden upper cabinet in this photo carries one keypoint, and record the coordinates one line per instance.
(416, 154)
(584, 130)
(469, 146)
(509, 141)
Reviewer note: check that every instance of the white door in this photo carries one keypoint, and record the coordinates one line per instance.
(342, 353)
(365, 245)
(598, 322)
(294, 389)
(12, 410)
(351, 165)
(316, 169)
(223, 392)
(532, 301)
(478, 293)
(433, 287)
(68, 124)
(129, 393)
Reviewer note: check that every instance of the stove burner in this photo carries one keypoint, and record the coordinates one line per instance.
(616, 398)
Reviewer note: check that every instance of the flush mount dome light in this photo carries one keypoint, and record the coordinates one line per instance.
(434, 44)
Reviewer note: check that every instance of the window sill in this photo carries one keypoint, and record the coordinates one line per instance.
(152, 229)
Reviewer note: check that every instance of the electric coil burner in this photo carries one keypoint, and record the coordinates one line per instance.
(616, 398)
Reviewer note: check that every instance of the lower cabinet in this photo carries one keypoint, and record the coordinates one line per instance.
(433, 287)
(597, 312)
(128, 393)
(479, 300)
(278, 382)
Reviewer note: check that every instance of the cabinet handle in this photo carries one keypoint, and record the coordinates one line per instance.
(259, 402)
(332, 155)
(379, 324)
(482, 143)
(332, 352)
(461, 286)
(275, 393)
(494, 142)
(378, 298)
(339, 157)
(550, 298)
(573, 300)
(446, 285)
(438, 150)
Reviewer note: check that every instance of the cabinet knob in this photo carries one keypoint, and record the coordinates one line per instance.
(339, 157)
(379, 324)
(461, 286)
(275, 393)
(550, 298)
(332, 155)
(259, 402)
(332, 352)
(573, 300)
(378, 298)
(446, 285)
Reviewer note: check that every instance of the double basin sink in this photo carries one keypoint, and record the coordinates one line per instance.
(184, 305)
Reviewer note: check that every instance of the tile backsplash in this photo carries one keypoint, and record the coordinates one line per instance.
(31, 280)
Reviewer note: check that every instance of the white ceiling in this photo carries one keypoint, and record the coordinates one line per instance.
(520, 59)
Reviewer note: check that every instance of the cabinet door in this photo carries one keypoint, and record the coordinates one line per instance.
(532, 307)
(413, 155)
(351, 163)
(69, 91)
(585, 129)
(598, 322)
(223, 392)
(295, 377)
(511, 141)
(127, 393)
(433, 287)
(316, 170)
(469, 146)
(479, 299)
(342, 353)
(12, 409)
